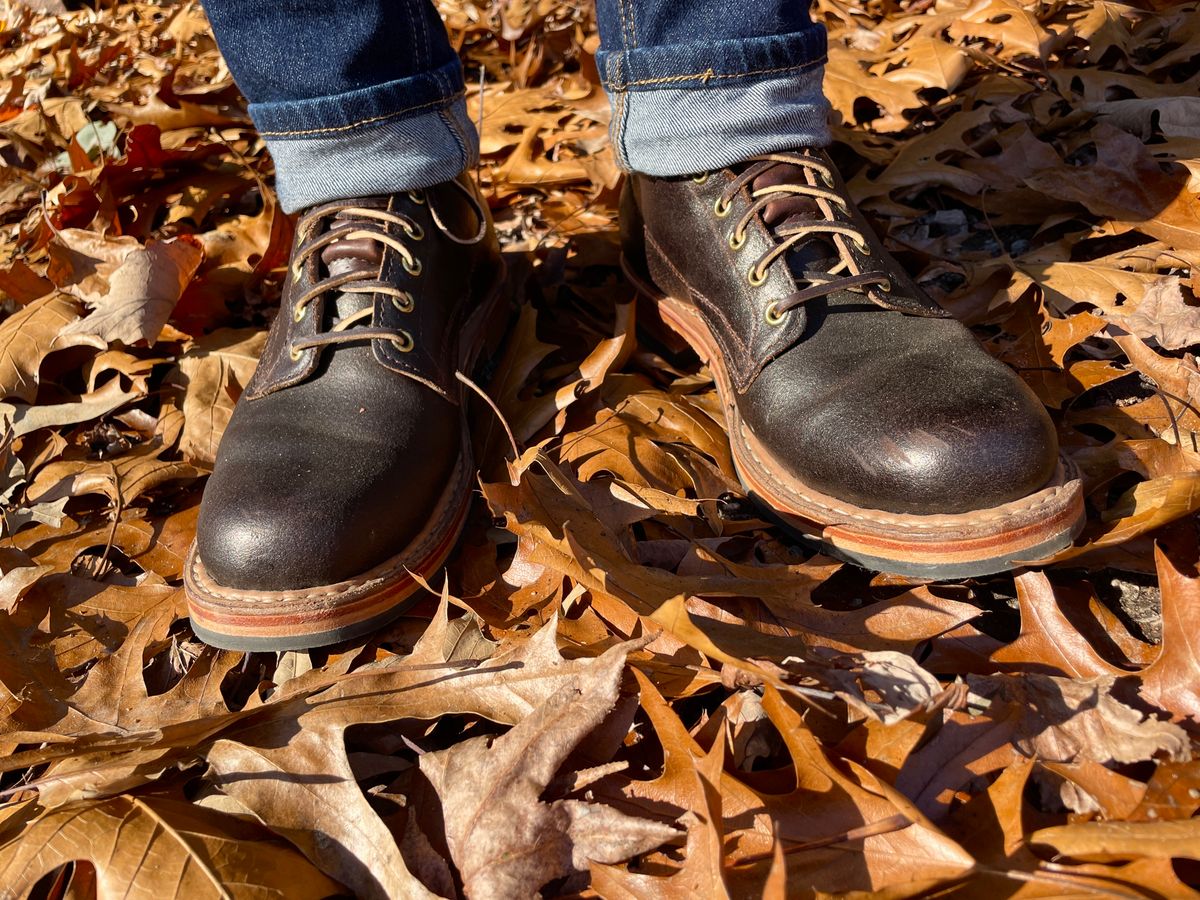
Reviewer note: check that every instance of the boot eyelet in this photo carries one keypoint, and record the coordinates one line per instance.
(415, 231)
(735, 243)
(863, 246)
(721, 209)
(404, 343)
(412, 267)
(701, 178)
(298, 313)
(404, 303)
(756, 277)
(295, 354)
(417, 196)
(772, 314)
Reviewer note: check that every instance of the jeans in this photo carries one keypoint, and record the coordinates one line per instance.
(361, 97)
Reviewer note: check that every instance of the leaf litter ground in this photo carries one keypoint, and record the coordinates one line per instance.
(626, 685)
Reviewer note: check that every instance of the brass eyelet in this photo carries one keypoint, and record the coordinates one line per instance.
(415, 231)
(404, 303)
(295, 354)
(756, 277)
(701, 178)
(863, 246)
(413, 268)
(721, 209)
(404, 343)
(298, 313)
(417, 196)
(734, 242)
(772, 314)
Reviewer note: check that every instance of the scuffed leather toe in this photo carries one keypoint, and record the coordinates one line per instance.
(933, 448)
(309, 490)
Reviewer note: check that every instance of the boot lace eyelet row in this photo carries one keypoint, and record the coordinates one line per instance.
(845, 275)
(363, 223)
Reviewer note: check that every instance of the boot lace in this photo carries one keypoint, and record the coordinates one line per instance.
(846, 274)
(353, 222)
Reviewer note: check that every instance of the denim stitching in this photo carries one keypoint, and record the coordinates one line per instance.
(424, 26)
(627, 32)
(709, 75)
(459, 138)
(620, 120)
(395, 114)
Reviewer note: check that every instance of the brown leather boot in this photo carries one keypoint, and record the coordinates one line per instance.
(859, 412)
(345, 471)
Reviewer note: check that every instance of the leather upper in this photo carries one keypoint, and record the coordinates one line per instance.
(875, 397)
(336, 455)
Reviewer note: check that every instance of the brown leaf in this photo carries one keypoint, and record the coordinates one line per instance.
(1047, 638)
(141, 293)
(503, 840)
(1172, 681)
(1107, 841)
(26, 337)
(155, 846)
(215, 370)
(691, 782)
(1163, 316)
(1068, 719)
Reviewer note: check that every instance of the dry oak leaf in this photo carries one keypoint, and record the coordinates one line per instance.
(1164, 316)
(1172, 681)
(1069, 719)
(695, 783)
(828, 800)
(141, 293)
(846, 81)
(1048, 639)
(1007, 23)
(1107, 288)
(297, 747)
(1145, 507)
(26, 337)
(216, 368)
(504, 841)
(1108, 841)
(154, 847)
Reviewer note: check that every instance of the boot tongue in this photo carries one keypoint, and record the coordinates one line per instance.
(816, 254)
(358, 256)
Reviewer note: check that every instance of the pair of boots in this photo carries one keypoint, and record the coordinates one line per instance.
(858, 411)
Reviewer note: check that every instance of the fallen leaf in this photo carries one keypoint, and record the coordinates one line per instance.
(1163, 316)
(505, 842)
(141, 293)
(157, 845)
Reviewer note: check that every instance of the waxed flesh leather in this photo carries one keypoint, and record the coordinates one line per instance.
(332, 464)
(897, 409)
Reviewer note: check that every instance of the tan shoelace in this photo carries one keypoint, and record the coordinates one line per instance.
(361, 223)
(845, 275)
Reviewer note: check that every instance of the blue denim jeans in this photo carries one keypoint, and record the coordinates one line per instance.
(360, 97)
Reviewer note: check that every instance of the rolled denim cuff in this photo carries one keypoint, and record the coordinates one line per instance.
(398, 136)
(682, 109)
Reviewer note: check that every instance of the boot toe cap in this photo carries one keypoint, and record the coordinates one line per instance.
(267, 545)
(931, 448)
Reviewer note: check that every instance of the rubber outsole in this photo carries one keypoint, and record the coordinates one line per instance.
(927, 547)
